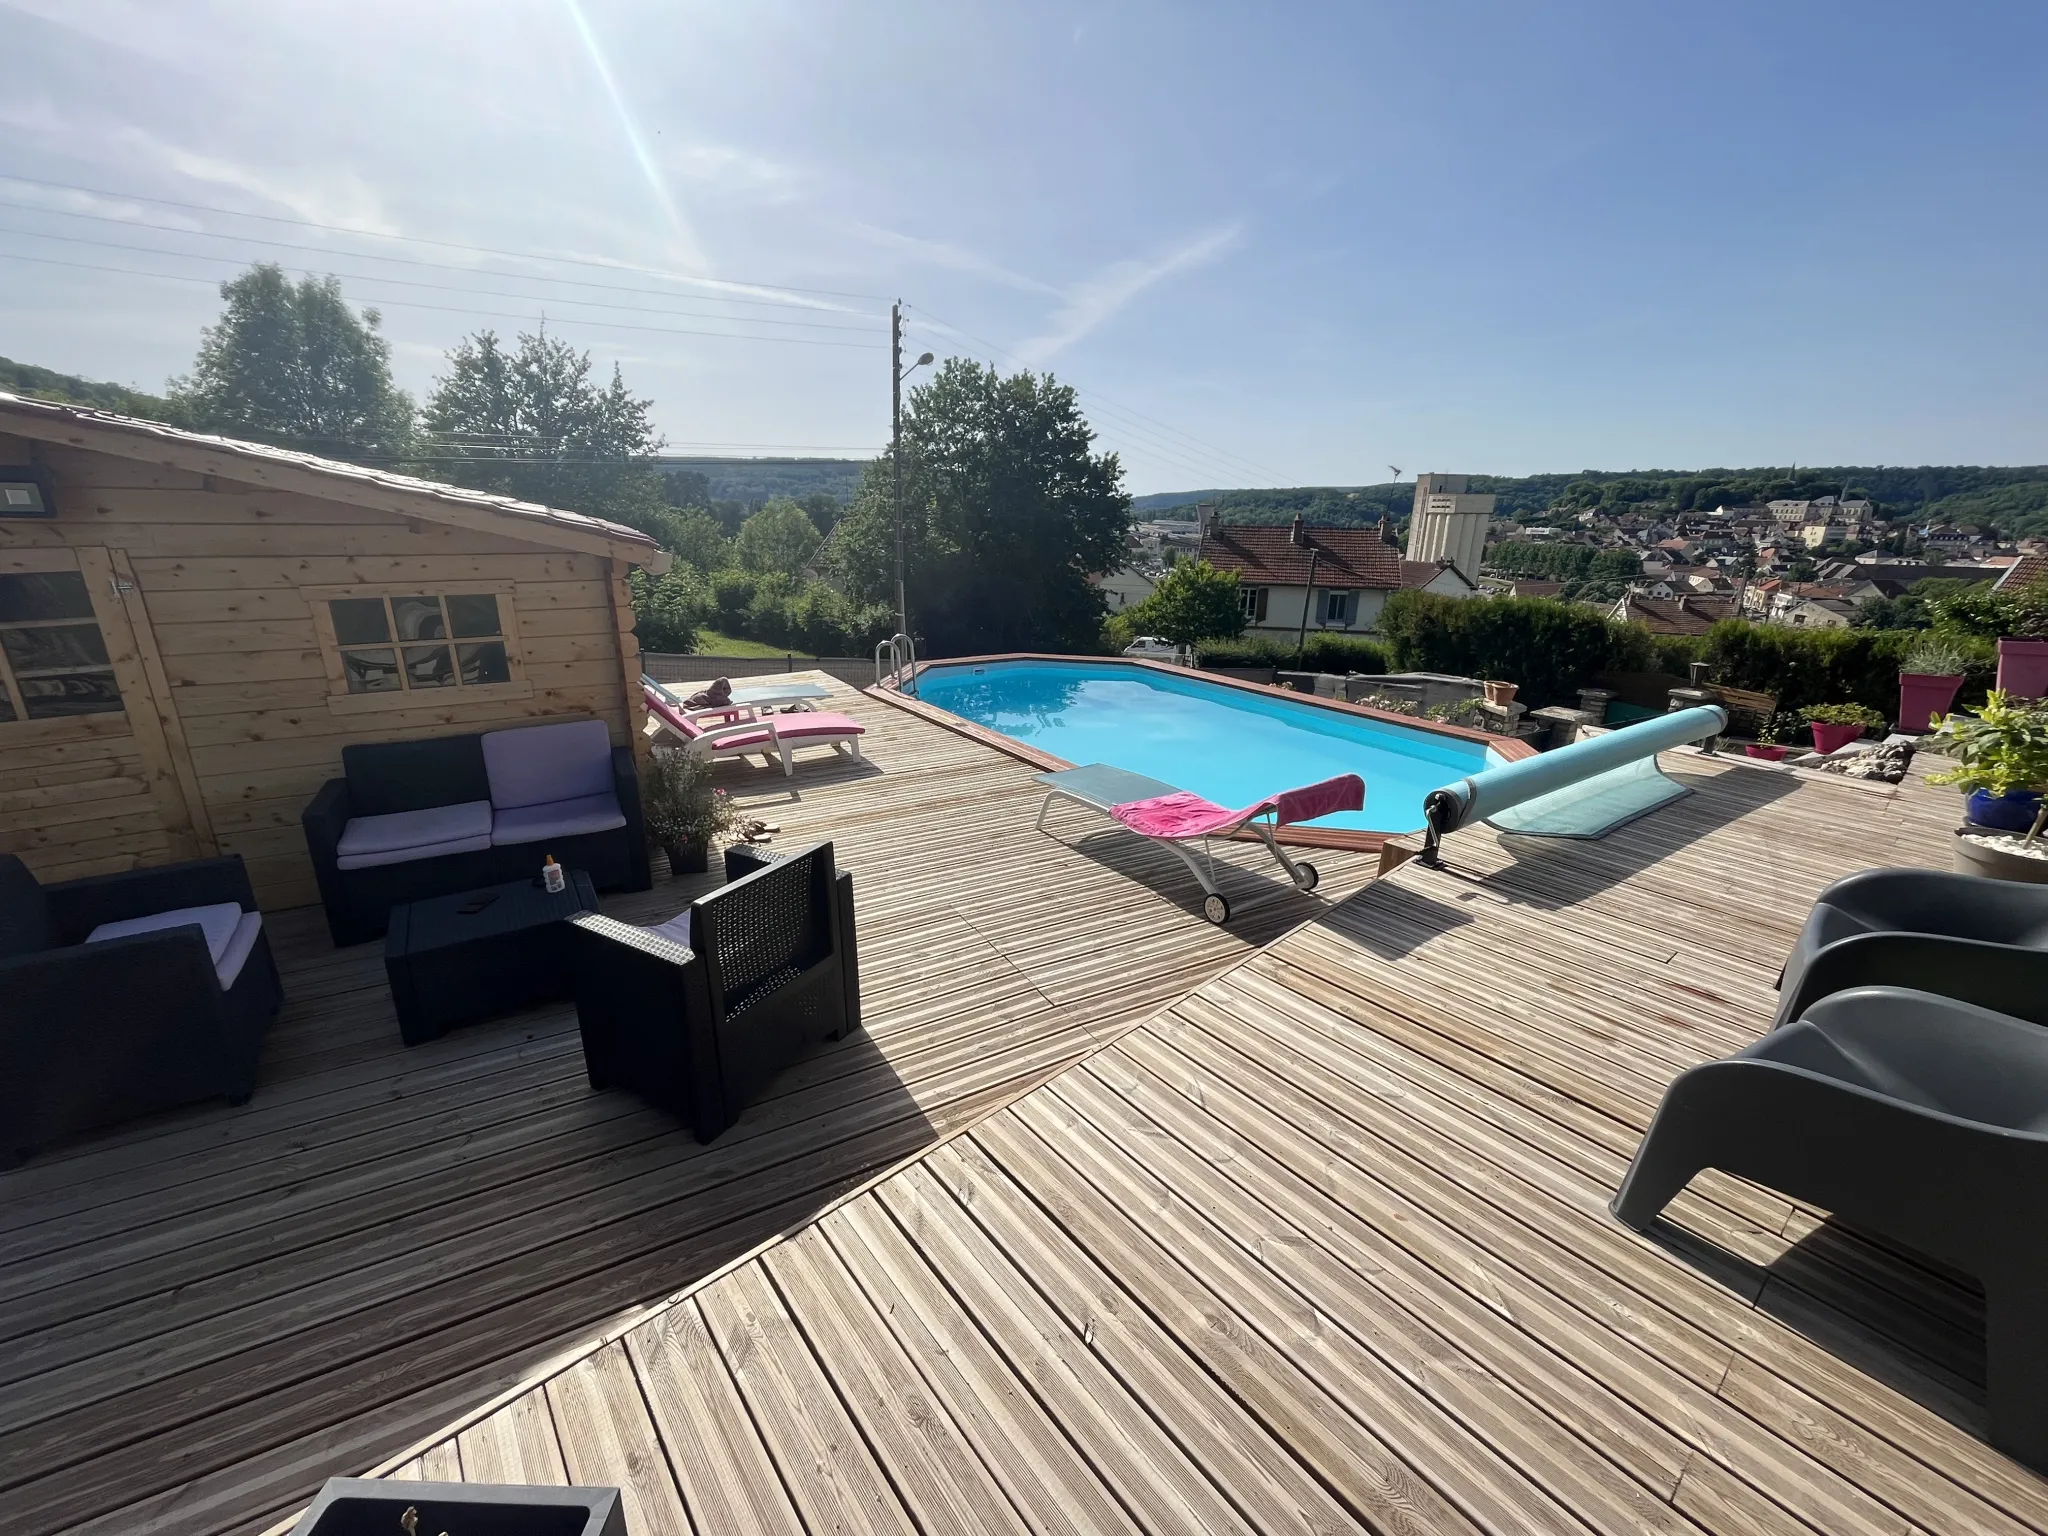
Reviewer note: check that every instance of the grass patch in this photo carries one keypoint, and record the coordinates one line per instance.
(711, 643)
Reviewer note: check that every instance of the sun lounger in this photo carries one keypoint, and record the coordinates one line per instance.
(1983, 941)
(740, 730)
(1174, 818)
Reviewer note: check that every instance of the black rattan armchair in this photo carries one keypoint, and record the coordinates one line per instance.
(92, 1034)
(701, 1028)
(1982, 941)
(1911, 1115)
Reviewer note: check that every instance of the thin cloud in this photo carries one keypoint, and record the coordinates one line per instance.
(1094, 299)
(343, 200)
(953, 258)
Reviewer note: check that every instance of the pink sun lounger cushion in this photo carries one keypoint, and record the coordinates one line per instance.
(1184, 814)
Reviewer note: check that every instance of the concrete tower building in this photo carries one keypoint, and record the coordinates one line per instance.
(1449, 523)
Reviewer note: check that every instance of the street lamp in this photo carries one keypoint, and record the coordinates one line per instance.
(897, 374)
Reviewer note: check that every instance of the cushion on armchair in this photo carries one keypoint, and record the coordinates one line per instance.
(402, 836)
(558, 818)
(230, 933)
(542, 764)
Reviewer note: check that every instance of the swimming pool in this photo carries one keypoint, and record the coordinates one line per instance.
(1227, 744)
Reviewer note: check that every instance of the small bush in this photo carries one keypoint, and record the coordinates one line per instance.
(1548, 649)
(1842, 714)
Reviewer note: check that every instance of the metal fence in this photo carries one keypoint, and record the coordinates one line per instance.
(663, 668)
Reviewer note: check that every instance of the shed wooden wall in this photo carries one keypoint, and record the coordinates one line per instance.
(219, 569)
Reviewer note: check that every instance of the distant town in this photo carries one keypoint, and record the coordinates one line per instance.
(1824, 562)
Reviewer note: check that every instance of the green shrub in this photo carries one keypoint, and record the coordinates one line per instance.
(1820, 666)
(1320, 653)
(1548, 649)
(1843, 714)
(667, 609)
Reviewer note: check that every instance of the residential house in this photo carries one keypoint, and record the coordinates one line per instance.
(191, 630)
(1679, 614)
(1128, 587)
(1816, 613)
(2022, 572)
(1339, 577)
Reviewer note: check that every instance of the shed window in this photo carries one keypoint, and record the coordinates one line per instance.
(53, 659)
(413, 643)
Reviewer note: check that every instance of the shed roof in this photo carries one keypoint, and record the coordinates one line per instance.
(284, 469)
(1345, 557)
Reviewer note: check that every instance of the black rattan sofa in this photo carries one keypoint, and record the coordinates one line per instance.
(138, 1020)
(412, 819)
(701, 1013)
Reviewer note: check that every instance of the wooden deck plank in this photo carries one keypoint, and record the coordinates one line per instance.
(211, 1309)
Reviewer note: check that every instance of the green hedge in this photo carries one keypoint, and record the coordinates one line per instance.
(1320, 653)
(1548, 649)
(1808, 667)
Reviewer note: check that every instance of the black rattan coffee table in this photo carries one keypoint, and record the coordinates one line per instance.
(495, 950)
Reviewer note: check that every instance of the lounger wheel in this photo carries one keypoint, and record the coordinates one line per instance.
(1216, 909)
(1305, 875)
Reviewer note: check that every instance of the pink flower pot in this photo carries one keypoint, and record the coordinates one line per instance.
(2023, 668)
(1923, 695)
(1770, 752)
(1830, 738)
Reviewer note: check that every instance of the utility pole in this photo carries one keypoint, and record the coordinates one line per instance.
(896, 451)
(897, 374)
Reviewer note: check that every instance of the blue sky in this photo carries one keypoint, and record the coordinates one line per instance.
(1272, 244)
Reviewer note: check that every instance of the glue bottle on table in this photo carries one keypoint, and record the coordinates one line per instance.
(552, 877)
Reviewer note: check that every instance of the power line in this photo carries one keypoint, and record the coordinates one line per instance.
(408, 261)
(486, 314)
(1232, 465)
(450, 245)
(413, 282)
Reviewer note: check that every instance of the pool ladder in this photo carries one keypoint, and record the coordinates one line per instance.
(899, 654)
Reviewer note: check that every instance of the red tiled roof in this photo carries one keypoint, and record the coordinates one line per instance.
(1347, 557)
(1420, 573)
(2023, 570)
(1692, 614)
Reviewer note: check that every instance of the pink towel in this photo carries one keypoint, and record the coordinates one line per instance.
(1183, 814)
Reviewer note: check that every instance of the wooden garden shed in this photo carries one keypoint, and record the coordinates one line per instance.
(191, 629)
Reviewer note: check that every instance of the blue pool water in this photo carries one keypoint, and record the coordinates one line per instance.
(1226, 744)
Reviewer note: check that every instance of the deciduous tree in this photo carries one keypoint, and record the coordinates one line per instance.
(291, 364)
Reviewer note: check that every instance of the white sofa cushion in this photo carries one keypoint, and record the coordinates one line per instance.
(218, 922)
(228, 964)
(546, 764)
(407, 855)
(560, 818)
(403, 830)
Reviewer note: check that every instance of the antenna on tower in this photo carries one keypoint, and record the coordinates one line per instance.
(1397, 472)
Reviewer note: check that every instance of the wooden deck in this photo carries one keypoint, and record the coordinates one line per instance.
(1324, 1246)
(203, 1316)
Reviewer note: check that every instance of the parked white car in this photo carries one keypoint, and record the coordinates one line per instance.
(1154, 648)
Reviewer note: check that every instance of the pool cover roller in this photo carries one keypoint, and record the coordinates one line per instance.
(1584, 790)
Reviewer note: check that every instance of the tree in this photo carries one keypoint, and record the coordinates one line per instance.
(531, 423)
(779, 537)
(291, 364)
(1193, 602)
(667, 609)
(1007, 513)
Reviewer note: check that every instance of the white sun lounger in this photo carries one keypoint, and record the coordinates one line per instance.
(1174, 818)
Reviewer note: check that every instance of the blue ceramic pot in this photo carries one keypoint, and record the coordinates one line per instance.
(2003, 813)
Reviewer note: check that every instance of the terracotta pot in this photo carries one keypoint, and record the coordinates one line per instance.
(1830, 738)
(1500, 693)
(1770, 752)
(1924, 695)
(2023, 668)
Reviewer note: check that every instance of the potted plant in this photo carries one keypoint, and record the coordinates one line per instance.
(2023, 655)
(684, 810)
(2001, 760)
(1500, 694)
(1774, 737)
(1929, 677)
(1836, 725)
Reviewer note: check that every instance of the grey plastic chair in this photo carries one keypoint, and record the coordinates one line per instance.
(1911, 1115)
(1981, 941)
